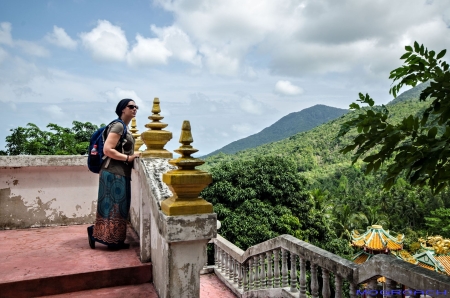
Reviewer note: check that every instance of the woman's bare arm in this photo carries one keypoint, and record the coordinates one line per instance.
(110, 151)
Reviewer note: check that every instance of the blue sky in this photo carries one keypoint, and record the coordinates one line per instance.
(230, 67)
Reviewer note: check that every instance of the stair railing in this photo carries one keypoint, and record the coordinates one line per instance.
(288, 267)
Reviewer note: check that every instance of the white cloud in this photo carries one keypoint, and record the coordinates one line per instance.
(287, 88)
(219, 62)
(3, 55)
(242, 128)
(298, 37)
(13, 106)
(178, 43)
(171, 42)
(249, 105)
(147, 52)
(225, 32)
(114, 96)
(249, 73)
(54, 112)
(60, 38)
(24, 91)
(18, 71)
(433, 34)
(28, 47)
(106, 42)
(32, 48)
(5, 33)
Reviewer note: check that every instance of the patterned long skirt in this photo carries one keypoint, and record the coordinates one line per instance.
(113, 206)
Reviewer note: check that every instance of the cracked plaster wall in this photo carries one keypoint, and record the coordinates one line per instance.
(38, 191)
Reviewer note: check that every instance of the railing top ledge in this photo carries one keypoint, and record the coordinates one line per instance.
(402, 272)
(307, 251)
(18, 161)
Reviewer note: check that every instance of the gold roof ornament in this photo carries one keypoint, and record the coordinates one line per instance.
(405, 256)
(377, 239)
(438, 244)
(155, 138)
(186, 182)
(137, 137)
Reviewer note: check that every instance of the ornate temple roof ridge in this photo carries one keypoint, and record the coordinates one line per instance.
(376, 238)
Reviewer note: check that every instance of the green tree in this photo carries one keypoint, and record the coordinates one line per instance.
(348, 219)
(264, 197)
(439, 222)
(419, 145)
(31, 140)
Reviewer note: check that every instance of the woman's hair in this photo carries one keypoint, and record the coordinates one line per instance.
(121, 105)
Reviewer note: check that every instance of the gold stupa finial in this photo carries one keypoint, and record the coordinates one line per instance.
(155, 138)
(137, 137)
(186, 182)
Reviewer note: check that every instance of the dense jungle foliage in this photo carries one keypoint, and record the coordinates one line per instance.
(333, 188)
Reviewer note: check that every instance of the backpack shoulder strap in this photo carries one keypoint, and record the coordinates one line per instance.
(122, 137)
(124, 133)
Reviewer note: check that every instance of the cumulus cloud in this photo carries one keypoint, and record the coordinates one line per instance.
(286, 88)
(5, 34)
(225, 31)
(147, 52)
(106, 42)
(60, 38)
(171, 42)
(220, 63)
(298, 37)
(178, 43)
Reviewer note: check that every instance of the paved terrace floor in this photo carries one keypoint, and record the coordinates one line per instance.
(32, 254)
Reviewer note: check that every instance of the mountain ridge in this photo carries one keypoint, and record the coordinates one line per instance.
(285, 127)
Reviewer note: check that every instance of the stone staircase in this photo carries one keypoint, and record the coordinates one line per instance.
(58, 260)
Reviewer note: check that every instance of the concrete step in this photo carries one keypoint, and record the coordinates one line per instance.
(145, 290)
(56, 260)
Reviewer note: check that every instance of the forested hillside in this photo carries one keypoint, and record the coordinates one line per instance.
(345, 197)
(287, 126)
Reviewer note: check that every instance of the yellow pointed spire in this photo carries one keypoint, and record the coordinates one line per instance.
(186, 182)
(155, 138)
(137, 137)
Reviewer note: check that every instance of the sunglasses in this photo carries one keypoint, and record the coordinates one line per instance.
(132, 107)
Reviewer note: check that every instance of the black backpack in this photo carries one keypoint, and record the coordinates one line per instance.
(94, 161)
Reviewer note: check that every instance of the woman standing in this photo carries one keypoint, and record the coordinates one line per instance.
(114, 191)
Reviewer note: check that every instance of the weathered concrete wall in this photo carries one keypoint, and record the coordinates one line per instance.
(176, 244)
(136, 199)
(40, 191)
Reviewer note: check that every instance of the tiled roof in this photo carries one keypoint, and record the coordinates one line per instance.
(361, 258)
(426, 266)
(445, 262)
(376, 238)
(428, 259)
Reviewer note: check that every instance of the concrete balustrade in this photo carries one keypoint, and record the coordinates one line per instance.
(295, 254)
